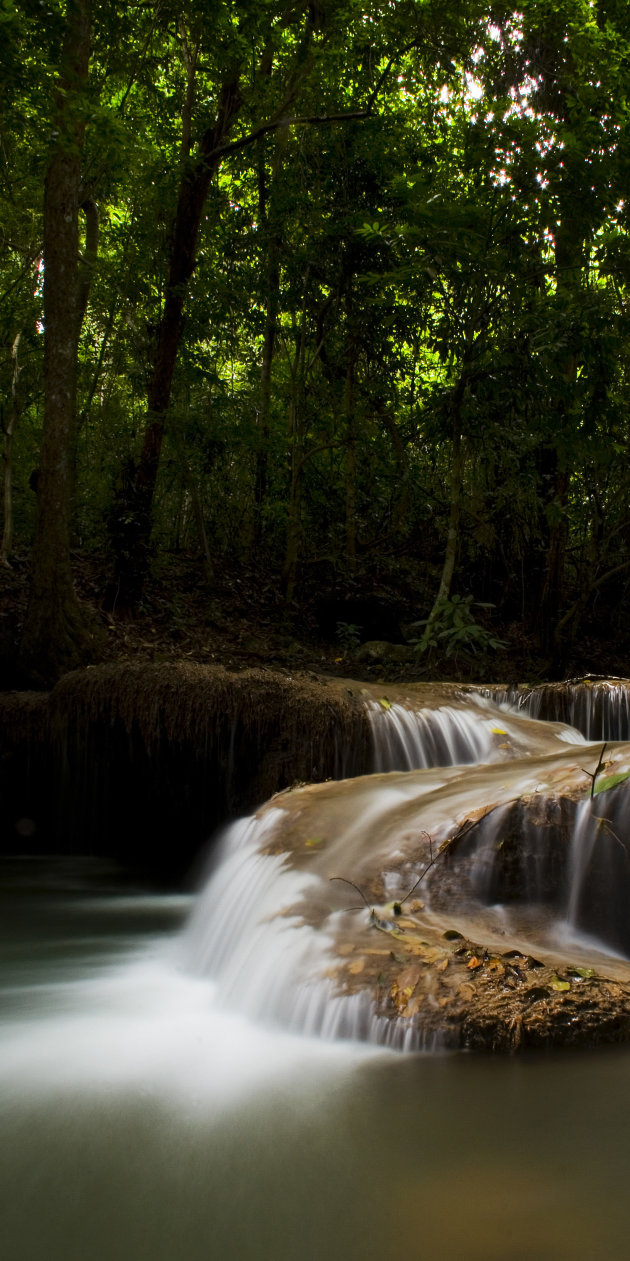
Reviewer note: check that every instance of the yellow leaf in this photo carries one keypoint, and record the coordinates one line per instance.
(409, 978)
(356, 966)
(557, 984)
(495, 965)
(384, 702)
(474, 963)
(313, 841)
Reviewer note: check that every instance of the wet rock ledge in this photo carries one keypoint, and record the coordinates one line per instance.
(142, 762)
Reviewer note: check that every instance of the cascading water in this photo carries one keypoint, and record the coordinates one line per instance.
(499, 790)
(599, 709)
(407, 739)
(248, 934)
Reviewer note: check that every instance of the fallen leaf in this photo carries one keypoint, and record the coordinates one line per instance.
(312, 841)
(384, 702)
(474, 963)
(409, 978)
(431, 954)
(559, 985)
(401, 996)
(466, 990)
(356, 966)
(495, 966)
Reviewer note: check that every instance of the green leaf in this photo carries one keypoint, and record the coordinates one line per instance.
(383, 701)
(558, 984)
(610, 781)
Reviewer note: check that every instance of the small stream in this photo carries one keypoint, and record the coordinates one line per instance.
(149, 1113)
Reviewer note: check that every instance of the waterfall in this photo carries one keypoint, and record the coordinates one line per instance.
(478, 822)
(407, 739)
(598, 884)
(599, 709)
(266, 962)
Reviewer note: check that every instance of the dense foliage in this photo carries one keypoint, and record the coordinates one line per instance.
(350, 304)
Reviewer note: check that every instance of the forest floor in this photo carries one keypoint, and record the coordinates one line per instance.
(243, 622)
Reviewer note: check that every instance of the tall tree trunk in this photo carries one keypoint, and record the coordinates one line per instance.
(569, 264)
(87, 265)
(135, 512)
(8, 428)
(294, 528)
(456, 475)
(351, 449)
(272, 301)
(55, 637)
(297, 458)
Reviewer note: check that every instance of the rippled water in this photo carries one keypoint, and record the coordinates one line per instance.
(140, 1122)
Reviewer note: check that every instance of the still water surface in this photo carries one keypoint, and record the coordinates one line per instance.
(141, 1123)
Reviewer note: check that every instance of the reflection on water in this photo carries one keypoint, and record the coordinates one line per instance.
(141, 1123)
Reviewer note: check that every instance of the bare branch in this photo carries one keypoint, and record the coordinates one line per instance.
(273, 124)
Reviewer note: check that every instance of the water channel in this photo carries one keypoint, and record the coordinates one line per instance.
(144, 1119)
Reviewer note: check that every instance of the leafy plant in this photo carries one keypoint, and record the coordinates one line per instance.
(454, 628)
(348, 636)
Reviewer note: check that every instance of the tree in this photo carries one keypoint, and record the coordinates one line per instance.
(273, 40)
(55, 635)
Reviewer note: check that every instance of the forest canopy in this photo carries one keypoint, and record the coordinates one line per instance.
(338, 292)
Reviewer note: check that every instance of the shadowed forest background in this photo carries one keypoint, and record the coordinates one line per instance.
(314, 330)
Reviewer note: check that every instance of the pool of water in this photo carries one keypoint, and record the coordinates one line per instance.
(142, 1122)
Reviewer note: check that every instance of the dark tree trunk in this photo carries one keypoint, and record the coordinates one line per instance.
(272, 290)
(55, 637)
(133, 520)
(349, 406)
(8, 429)
(569, 269)
(455, 483)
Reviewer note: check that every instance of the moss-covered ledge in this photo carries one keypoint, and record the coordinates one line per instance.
(143, 762)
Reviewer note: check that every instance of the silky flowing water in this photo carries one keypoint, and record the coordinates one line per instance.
(151, 1110)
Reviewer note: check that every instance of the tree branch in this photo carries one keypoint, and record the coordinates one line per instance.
(273, 124)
